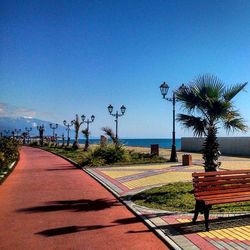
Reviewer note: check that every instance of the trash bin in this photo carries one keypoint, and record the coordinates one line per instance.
(186, 160)
(155, 149)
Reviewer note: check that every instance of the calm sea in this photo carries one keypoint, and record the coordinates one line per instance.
(163, 143)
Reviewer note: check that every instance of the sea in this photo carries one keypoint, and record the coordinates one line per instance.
(163, 143)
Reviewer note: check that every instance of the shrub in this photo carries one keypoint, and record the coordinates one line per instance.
(8, 151)
(104, 155)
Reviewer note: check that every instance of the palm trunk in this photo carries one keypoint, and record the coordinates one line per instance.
(211, 150)
(76, 144)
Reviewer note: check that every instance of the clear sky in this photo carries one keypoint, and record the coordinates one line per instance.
(59, 58)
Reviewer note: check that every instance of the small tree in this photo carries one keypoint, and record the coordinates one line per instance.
(109, 132)
(209, 103)
(86, 133)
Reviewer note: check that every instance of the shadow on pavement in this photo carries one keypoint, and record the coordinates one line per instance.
(77, 229)
(73, 205)
(69, 230)
(214, 224)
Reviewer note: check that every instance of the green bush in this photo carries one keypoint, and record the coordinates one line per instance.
(100, 155)
(8, 151)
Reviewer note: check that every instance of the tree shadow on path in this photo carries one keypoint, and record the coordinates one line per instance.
(69, 230)
(76, 229)
(73, 205)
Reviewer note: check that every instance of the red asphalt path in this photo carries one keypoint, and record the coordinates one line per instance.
(47, 203)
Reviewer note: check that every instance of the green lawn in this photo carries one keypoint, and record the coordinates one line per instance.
(179, 197)
(84, 158)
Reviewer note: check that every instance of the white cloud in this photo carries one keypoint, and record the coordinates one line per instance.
(13, 111)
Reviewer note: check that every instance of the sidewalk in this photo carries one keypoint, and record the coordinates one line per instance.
(176, 228)
(47, 203)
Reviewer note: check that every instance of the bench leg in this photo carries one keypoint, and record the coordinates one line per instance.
(206, 216)
(196, 211)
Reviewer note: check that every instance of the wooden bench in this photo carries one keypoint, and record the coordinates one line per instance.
(219, 187)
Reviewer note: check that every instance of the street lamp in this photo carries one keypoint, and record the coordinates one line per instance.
(68, 129)
(53, 128)
(41, 130)
(116, 115)
(164, 90)
(92, 118)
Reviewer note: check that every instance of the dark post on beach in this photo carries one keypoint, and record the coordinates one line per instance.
(116, 115)
(68, 125)
(53, 128)
(164, 90)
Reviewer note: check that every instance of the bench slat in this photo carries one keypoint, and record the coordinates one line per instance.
(221, 196)
(221, 191)
(226, 172)
(221, 183)
(225, 177)
(229, 200)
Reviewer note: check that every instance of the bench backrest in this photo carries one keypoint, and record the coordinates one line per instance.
(221, 182)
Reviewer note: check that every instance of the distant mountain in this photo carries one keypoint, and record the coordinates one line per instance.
(11, 123)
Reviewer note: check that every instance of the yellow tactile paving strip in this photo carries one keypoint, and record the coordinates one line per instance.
(241, 233)
(118, 174)
(145, 166)
(168, 177)
(233, 233)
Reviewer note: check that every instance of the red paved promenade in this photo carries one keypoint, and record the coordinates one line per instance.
(46, 203)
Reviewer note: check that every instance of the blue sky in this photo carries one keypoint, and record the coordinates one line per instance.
(59, 58)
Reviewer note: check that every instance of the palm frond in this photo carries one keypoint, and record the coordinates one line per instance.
(232, 91)
(188, 98)
(209, 86)
(234, 122)
(197, 124)
(109, 132)
(86, 132)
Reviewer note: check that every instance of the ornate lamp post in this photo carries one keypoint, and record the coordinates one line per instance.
(53, 128)
(56, 139)
(68, 129)
(164, 90)
(116, 115)
(41, 130)
(28, 133)
(87, 134)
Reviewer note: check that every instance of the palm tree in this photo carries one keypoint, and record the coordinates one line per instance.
(110, 133)
(77, 125)
(86, 133)
(208, 102)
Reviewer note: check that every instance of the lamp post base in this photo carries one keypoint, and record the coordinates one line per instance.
(173, 157)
